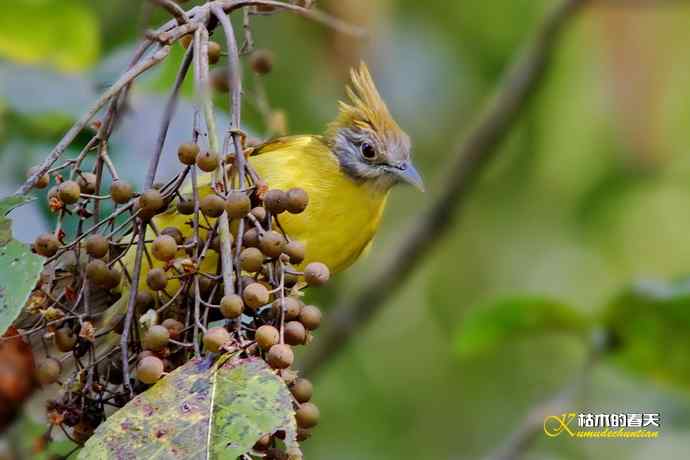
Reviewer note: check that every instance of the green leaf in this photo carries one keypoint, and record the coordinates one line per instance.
(20, 269)
(649, 324)
(62, 33)
(490, 326)
(199, 412)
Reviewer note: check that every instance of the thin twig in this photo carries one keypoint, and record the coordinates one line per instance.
(479, 147)
(123, 81)
(174, 9)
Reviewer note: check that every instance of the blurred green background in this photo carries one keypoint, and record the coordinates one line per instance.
(589, 195)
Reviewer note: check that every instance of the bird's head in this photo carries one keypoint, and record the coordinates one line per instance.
(369, 144)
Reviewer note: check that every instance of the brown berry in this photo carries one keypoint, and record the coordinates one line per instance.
(156, 338)
(231, 306)
(255, 295)
(207, 161)
(293, 307)
(302, 390)
(156, 279)
(214, 52)
(87, 182)
(251, 260)
(121, 191)
(187, 153)
(185, 207)
(237, 204)
(316, 274)
(143, 301)
(48, 371)
(307, 415)
(175, 233)
(65, 339)
(150, 370)
(174, 327)
(250, 238)
(267, 336)
(219, 80)
(69, 192)
(275, 201)
(212, 205)
(261, 61)
(280, 356)
(272, 243)
(42, 182)
(297, 200)
(97, 272)
(259, 212)
(97, 246)
(310, 316)
(295, 333)
(112, 279)
(46, 245)
(164, 248)
(215, 338)
(151, 201)
(296, 251)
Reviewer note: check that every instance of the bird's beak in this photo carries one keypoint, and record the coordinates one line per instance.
(408, 173)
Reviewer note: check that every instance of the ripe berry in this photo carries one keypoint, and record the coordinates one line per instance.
(151, 201)
(307, 415)
(295, 333)
(65, 339)
(231, 306)
(261, 61)
(121, 191)
(214, 51)
(97, 246)
(272, 243)
(250, 238)
(316, 274)
(259, 212)
(215, 338)
(280, 356)
(267, 336)
(187, 153)
(297, 200)
(143, 301)
(310, 316)
(302, 390)
(255, 295)
(112, 279)
(219, 80)
(150, 370)
(48, 371)
(174, 327)
(87, 182)
(46, 245)
(212, 205)
(156, 338)
(69, 192)
(42, 182)
(292, 306)
(251, 260)
(164, 248)
(175, 233)
(207, 161)
(237, 204)
(275, 201)
(296, 251)
(185, 207)
(156, 279)
(97, 272)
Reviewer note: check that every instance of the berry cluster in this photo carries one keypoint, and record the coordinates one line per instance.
(138, 282)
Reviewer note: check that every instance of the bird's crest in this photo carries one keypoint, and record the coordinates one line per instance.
(365, 108)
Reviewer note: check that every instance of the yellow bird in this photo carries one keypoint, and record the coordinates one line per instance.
(348, 173)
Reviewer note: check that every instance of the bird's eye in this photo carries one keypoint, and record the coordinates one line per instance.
(368, 151)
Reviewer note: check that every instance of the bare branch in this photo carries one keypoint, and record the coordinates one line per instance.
(472, 156)
(174, 9)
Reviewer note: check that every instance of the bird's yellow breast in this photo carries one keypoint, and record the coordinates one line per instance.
(342, 216)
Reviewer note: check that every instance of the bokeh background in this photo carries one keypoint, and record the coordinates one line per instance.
(589, 195)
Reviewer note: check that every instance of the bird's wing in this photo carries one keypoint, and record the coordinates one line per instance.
(285, 143)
